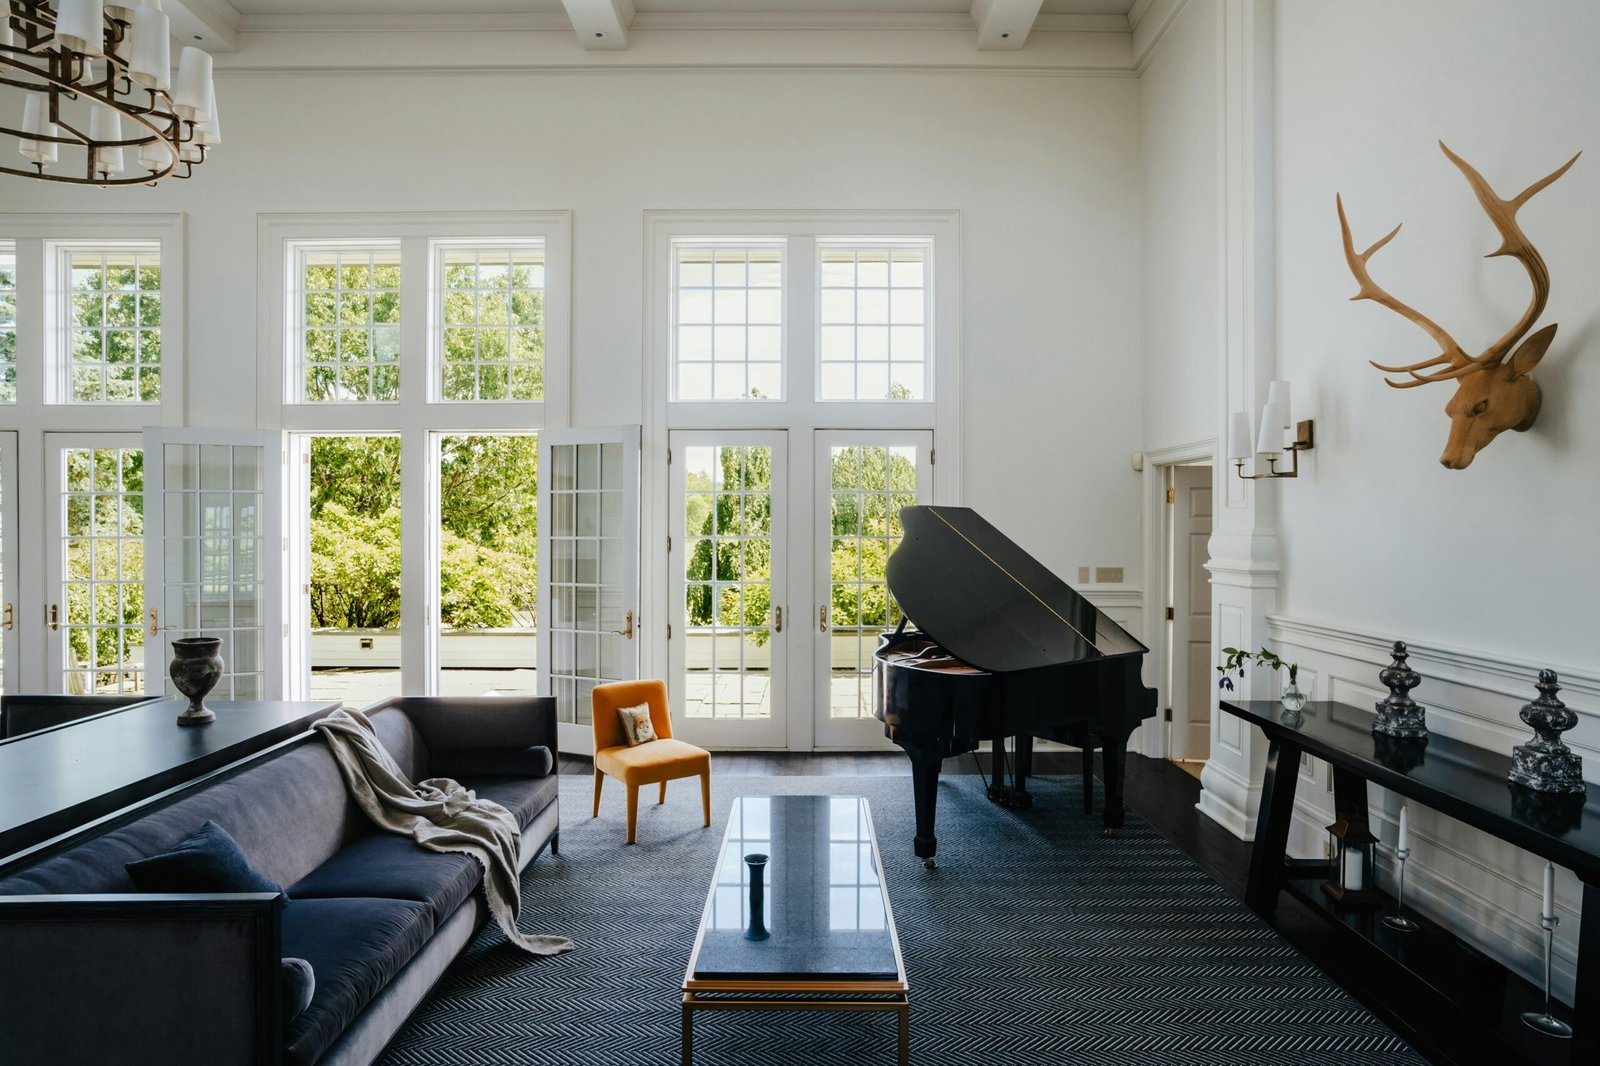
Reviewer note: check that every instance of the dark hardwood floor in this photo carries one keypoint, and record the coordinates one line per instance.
(1445, 1029)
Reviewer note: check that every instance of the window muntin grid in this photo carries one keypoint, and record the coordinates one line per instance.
(728, 581)
(490, 344)
(349, 324)
(8, 323)
(727, 332)
(112, 338)
(749, 832)
(873, 335)
(103, 552)
(587, 543)
(868, 485)
(213, 577)
(855, 890)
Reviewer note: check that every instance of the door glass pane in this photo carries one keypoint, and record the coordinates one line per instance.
(727, 610)
(355, 568)
(103, 584)
(588, 597)
(213, 577)
(488, 570)
(867, 488)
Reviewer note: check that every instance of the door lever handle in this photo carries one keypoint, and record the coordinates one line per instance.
(822, 619)
(627, 627)
(53, 620)
(777, 619)
(10, 619)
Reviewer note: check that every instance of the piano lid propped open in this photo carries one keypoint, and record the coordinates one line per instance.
(989, 603)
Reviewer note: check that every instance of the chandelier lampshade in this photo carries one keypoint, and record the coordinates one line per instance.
(96, 78)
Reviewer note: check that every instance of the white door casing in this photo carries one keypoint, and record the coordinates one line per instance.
(1189, 633)
(10, 619)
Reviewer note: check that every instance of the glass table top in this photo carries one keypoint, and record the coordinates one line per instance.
(824, 905)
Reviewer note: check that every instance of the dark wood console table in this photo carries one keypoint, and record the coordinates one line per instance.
(57, 780)
(1462, 781)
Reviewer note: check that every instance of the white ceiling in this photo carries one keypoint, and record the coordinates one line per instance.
(501, 7)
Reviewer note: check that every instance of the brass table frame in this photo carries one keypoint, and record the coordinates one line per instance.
(771, 994)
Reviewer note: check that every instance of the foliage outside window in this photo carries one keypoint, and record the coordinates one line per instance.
(104, 624)
(113, 327)
(489, 520)
(350, 335)
(492, 325)
(8, 324)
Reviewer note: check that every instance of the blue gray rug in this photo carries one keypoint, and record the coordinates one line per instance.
(1035, 941)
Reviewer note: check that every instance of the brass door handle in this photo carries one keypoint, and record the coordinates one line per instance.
(822, 619)
(154, 627)
(10, 618)
(625, 631)
(777, 619)
(53, 620)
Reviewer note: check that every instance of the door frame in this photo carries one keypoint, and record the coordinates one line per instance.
(11, 621)
(861, 733)
(1157, 560)
(1180, 631)
(771, 734)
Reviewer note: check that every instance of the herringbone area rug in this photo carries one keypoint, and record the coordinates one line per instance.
(1036, 941)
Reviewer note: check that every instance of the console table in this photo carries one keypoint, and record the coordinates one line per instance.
(1462, 781)
(57, 780)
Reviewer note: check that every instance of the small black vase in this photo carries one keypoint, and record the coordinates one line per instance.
(758, 898)
(196, 667)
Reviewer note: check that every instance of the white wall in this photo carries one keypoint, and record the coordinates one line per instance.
(1180, 130)
(1043, 170)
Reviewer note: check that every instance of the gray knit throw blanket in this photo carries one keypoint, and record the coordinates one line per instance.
(439, 815)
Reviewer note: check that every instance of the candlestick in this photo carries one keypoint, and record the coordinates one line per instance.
(1404, 843)
(1544, 1021)
(1398, 920)
(1549, 909)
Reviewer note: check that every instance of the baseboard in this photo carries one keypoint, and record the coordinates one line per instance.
(1229, 800)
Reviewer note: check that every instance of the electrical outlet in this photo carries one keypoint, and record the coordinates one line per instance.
(1083, 575)
(1108, 575)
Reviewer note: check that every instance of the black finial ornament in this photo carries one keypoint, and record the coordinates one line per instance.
(1545, 763)
(1400, 715)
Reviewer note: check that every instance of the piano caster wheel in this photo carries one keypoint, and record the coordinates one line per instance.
(1110, 831)
(927, 864)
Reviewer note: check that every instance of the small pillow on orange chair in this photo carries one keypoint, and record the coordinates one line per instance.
(636, 724)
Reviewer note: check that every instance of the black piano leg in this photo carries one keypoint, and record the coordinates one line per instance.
(1083, 740)
(1011, 792)
(1021, 770)
(925, 794)
(1111, 761)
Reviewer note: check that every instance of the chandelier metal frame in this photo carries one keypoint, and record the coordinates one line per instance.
(48, 66)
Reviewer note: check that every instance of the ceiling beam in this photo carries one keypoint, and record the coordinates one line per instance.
(1004, 24)
(209, 24)
(600, 24)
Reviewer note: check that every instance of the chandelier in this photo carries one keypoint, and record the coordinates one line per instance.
(96, 78)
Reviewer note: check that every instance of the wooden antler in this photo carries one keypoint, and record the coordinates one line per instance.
(1449, 351)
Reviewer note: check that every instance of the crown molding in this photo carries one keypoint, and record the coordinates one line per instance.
(677, 21)
(1149, 21)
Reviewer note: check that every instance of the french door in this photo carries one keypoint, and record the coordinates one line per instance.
(728, 641)
(10, 660)
(214, 551)
(588, 570)
(863, 480)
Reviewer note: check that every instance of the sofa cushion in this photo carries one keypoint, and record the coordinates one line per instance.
(390, 866)
(523, 797)
(207, 860)
(355, 947)
(400, 739)
(534, 761)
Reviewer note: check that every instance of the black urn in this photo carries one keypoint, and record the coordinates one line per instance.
(195, 670)
(1545, 763)
(757, 929)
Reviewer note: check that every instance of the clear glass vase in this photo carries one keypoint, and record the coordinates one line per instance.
(1294, 701)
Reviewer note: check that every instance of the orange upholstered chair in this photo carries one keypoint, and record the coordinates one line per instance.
(661, 760)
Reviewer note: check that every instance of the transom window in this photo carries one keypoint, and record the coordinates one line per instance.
(728, 320)
(872, 321)
(112, 338)
(350, 324)
(491, 344)
(8, 323)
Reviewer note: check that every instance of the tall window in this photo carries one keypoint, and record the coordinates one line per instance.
(728, 321)
(873, 321)
(491, 344)
(8, 323)
(350, 324)
(113, 324)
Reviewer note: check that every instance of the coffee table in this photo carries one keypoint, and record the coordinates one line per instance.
(824, 907)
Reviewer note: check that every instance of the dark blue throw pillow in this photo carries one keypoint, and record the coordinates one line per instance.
(299, 984)
(208, 861)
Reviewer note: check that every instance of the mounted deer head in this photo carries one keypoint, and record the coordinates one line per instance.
(1493, 393)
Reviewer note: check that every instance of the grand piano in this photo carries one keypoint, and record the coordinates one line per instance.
(1002, 650)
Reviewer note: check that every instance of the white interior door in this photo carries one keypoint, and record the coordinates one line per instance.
(1190, 630)
(588, 570)
(213, 556)
(9, 659)
(727, 566)
(863, 479)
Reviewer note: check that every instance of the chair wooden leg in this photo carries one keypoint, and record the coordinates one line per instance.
(633, 811)
(599, 779)
(705, 795)
(663, 798)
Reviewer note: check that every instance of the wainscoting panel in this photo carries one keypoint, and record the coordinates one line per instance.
(1483, 889)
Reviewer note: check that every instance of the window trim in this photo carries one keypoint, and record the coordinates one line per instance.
(58, 312)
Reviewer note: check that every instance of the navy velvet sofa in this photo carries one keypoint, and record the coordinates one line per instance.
(97, 973)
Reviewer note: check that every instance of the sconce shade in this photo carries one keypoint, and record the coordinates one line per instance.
(1274, 419)
(1239, 435)
(151, 62)
(191, 94)
(34, 121)
(1278, 393)
(106, 125)
(81, 26)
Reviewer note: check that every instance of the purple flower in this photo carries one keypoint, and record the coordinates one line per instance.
(1225, 682)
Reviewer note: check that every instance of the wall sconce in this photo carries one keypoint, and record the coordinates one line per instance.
(1274, 421)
